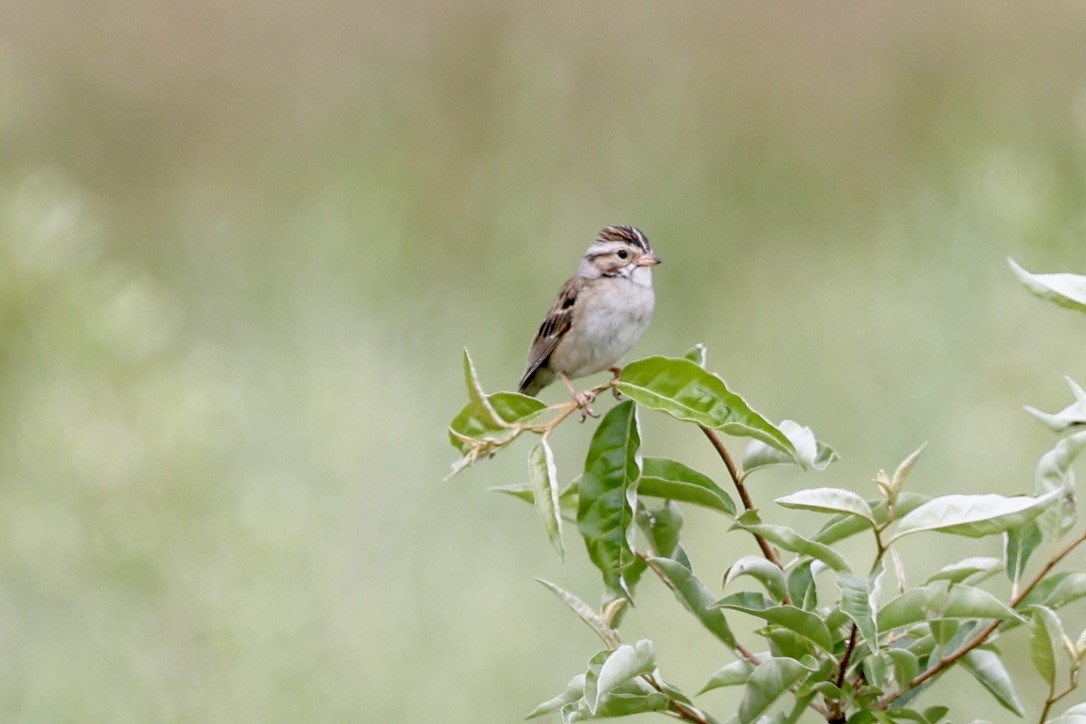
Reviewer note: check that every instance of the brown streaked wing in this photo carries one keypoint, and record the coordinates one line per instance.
(554, 327)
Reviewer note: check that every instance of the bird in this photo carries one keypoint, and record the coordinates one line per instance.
(598, 316)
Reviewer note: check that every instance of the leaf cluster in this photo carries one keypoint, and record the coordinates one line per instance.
(863, 647)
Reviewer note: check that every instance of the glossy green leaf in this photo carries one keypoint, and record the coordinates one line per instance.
(574, 691)
(762, 571)
(696, 354)
(843, 525)
(511, 407)
(1074, 415)
(859, 601)
(585, 612)
(608, 494)
(829, 500)
(968, 570)
(973, 516)
(790, 540)
(621, 665)
(1056, 590)
(988, 668)
(941, 600)
(544, 481)
(666, 478)
(1018, 545)
(1066, 290)
(697, 599)
(733, 674)
(808, 625)
(687, 392)
(771, 678)
(810, 453)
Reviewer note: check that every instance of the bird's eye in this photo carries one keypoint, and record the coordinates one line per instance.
(622, 253)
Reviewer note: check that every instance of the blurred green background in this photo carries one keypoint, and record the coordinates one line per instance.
(242, 245)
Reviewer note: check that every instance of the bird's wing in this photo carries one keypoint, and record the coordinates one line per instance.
(555, 326)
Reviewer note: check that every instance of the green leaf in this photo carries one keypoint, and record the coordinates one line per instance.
(1056, 590)
(511, 407)
(859, 601)
(666, 478)
(810, 453)
(697, 599)
(790, 540)
(987, 668)
(968, 570)
(829, 500)
(843, 525)
(1074, 415)
(1018, 545)
(941, 600)
(574, 691)
(763, 571)
(544, 480)
(584, 612)
(608, 494)
(687, 392)
(802, 623)
(662, 527)
(624, 663)
(901, 474)
(973, 516)
(1066, 290)
(935, 714)
(1042, 646)
(770, 679)
(733, 674)
(1055, 476)
(696, 354)
(480, 405)
(905, 666)
(801, 585)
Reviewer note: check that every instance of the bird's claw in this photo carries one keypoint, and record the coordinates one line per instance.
(616, 371)
(583, 399)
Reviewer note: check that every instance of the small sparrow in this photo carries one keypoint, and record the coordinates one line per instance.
(598, 316)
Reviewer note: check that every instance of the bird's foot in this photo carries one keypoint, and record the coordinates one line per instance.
(583, 399)
(616, 371)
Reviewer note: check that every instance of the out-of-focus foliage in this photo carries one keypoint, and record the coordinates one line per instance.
(242, 244)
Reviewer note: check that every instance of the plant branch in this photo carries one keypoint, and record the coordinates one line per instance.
(847, 655)
(680, 710)
(748, 504)
(987, 631)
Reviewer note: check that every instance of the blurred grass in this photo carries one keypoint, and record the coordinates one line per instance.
(241, 247)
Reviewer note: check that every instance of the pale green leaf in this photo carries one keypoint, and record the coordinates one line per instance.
(968, 570)
(662, 527)
(757, 567)
(810, 453)
(624, 663)
(1066, 290)
(574, 691)
(843, 525)
(665, 478)
(941, 600)
(1042, 646)
(1074, 415)
(1056, 590)
(1074, 715)
(544, 481)
(805, 624)
(511, 407)
(905, 666)
(585, 612)
(608, 493)
(1018, 545)
(901, 474)
(480, 404)
(790, 540)
(733, 674)
(685, 391)
(988, 668)
(973, 516)
(1055, 476)
(696, 354)
(859, 601)
(829, 500)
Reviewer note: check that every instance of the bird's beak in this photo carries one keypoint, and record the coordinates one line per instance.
(649, 259)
